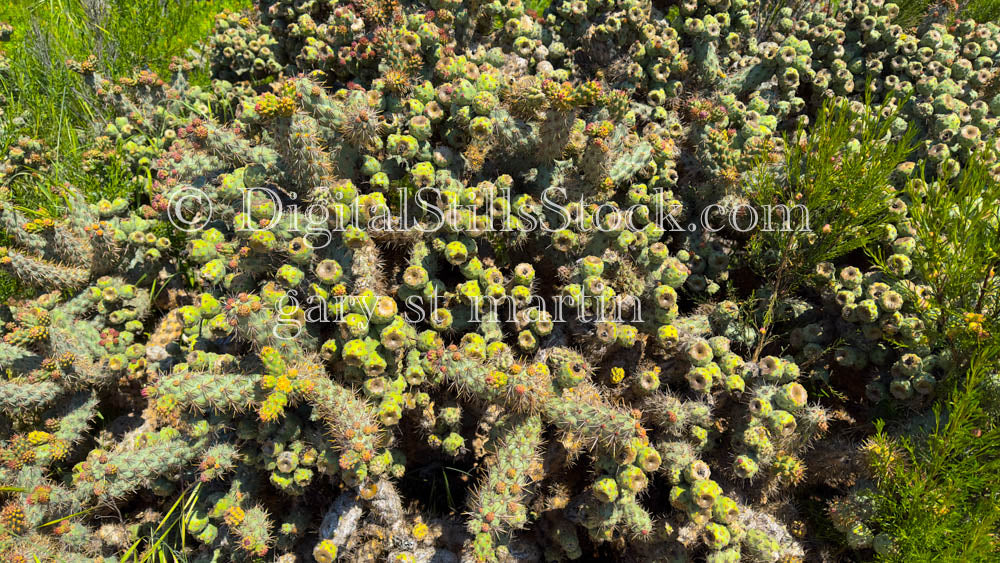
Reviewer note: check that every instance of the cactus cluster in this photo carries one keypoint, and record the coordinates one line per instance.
(398, 241)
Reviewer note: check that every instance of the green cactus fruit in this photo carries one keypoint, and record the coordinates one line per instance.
(325, 551)
(791, 397)
(605, 489)
(745, 467)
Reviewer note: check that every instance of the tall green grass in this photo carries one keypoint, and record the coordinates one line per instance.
(43, 99)
(983, 10)
(912, 12)
(938, 488)
(538, 6)
(830, 183)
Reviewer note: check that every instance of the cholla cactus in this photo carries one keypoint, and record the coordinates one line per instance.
(399, 237)
(852, 515)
